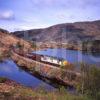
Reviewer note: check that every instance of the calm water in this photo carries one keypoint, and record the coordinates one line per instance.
(72, 55)
(10, 70)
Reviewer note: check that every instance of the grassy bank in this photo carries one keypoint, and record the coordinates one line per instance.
(22, 93)
(14, 91)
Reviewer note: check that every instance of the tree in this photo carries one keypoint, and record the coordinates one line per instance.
(1, 57)
(19, 45)
(90, 80)
(33, 45)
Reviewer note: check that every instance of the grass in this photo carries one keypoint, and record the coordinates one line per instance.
(23, 93)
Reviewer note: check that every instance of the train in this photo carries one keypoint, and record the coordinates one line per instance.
(48, 59)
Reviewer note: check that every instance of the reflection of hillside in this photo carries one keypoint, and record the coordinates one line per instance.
(95, 54)
(92, 46)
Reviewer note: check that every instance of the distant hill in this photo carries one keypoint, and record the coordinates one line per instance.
(63, 32)
(67, 35)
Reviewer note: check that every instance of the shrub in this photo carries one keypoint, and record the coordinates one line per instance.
(1, 57)
(2, 80)
(90, 80)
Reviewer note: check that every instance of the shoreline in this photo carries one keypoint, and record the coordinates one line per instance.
(47, 71)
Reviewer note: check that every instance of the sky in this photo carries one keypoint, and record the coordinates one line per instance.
(18, 15)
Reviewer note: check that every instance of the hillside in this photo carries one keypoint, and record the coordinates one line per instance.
(7, 40)
(63, 32)
(67, 35)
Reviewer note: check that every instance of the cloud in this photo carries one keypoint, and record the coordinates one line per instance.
(7, 15)
(66, 3)
(44, 13)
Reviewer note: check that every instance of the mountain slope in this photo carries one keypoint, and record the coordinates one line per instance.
(7, 40)
(63, 32)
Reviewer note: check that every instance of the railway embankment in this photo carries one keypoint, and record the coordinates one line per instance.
(59, 75)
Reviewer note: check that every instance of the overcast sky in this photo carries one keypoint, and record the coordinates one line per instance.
(30, 14)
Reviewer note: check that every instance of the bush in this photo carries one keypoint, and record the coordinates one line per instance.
(2, 80)
(98, 96)
(1, 57)
(33, 45)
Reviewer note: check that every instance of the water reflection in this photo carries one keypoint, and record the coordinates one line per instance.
(10, 70)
